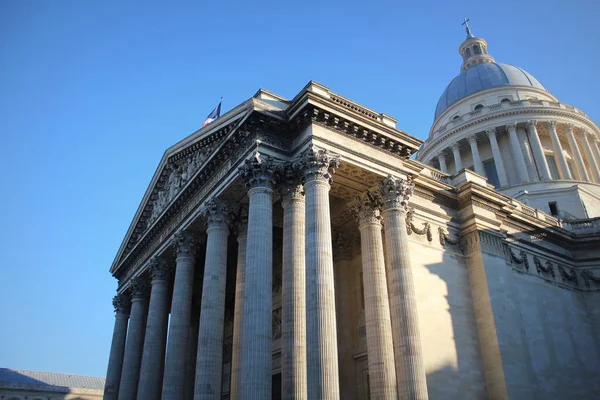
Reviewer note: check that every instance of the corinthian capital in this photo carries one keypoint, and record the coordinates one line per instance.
(185, 244)
(139, 288)
(511, 126)
(319, 165)
(551, 124)
(160, 270)
(216, 212)
(122, 304)
(258, 171)
(366, 209)
(491, 132)
(289, 181)
(531, 124)
(395, 192)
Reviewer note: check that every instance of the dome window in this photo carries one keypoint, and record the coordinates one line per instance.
(478, 107)
(505, 100)
(467, 52)
(455, 117)
(477, 49)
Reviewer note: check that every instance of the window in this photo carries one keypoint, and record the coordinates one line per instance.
(490, 171)
(478, 106)
(505, 100)
(554, 174)
(468, 52)
(455, 117)
(553, 208)
(477, 49)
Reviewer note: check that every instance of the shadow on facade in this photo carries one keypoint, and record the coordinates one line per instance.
(18, 386)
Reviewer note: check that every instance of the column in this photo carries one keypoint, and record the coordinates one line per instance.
(122, 305)
(527, 154)
(321, 332)
(594, 144)
(582, 173)
(382, 374)
(558, 151)
(408, 354)
(442, 160)
(135, 339)
(238, 312)
(517, 153)
(293, 300)
(190, 363)
(155, 341)
(179, 327)
(590, 155)
(477, 165)
(457, 160)
(256, 371)
(538, 152)
(491, 133)
(209, 358)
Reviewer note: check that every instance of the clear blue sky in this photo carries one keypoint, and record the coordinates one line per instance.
(93, 92)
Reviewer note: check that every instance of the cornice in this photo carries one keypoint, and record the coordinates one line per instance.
(424, 154)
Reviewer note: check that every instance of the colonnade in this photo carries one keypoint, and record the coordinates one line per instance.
(528, 156)
(146, 364)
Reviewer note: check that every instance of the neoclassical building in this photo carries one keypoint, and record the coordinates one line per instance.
(297, 249)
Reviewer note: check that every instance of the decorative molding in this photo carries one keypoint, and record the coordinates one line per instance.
(410, 227)
(568, 276)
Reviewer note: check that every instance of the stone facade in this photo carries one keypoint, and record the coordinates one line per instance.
(305, 255)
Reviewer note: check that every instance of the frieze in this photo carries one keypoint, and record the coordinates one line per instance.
(444, 238)
(548, 268)
(588, 276)
(568, 275)
(522, 259)
(410, 227)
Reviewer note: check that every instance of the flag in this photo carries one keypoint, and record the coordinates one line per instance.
(216, 113)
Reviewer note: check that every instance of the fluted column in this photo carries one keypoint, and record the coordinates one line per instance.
(442, 160)
(135, 339)
(558, 151)
(517, 153)
(190, 364)
(238, 313)
(293, 301)
(179, 327)
(155, 341)
(526, 151)
(491, 134)
(256, 371)
(477, 165)
(582, 173)
(408, 354)
(122, 304)
(323, 378)
(209, 358)
(457, 160)
(382, 374)
(590, 156)
(538, 151)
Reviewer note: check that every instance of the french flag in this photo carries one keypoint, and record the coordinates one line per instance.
(216, 113)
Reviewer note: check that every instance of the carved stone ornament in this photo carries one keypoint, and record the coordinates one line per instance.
(139, 288)
(258, 171)
(410, 227)
(216, 212)
(446, 239)
(366, 209)
(240, 220)
(160, 270)
(289, 181)
(318, 165)
(588, 276)
(548, 268)
(566, 275)
(122, 304)
(522, 259)
(185, 244)
(395, 192)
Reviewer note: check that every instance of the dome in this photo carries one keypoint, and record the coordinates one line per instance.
(481, 77)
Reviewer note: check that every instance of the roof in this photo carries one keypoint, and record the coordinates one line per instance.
(481, 77)
(49, 380)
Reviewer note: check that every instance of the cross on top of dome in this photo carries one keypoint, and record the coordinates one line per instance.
(466, 24)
